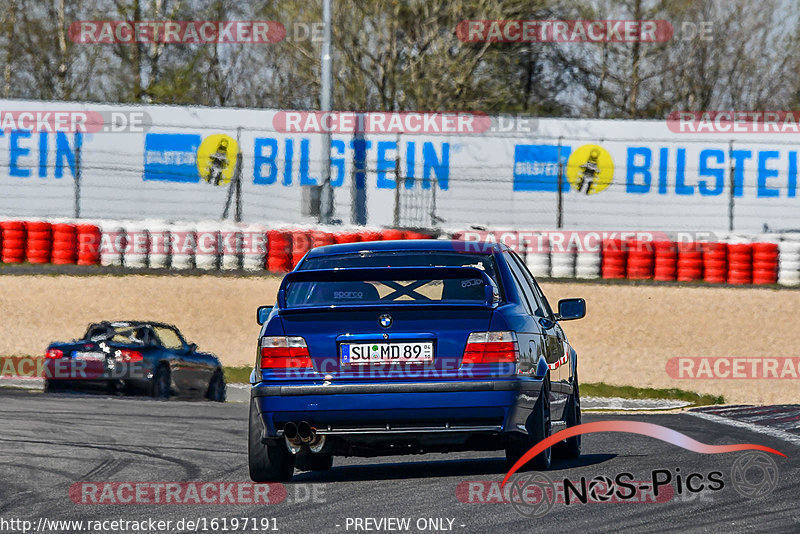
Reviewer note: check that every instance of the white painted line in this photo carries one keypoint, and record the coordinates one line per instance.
(761, 429)
(622, 404)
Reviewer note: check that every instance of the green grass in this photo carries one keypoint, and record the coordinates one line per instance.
(601, 389)
(237, 375)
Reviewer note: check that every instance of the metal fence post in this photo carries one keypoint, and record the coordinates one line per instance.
(731, 185)
(396, 218)
(78, 141)
(560, 194)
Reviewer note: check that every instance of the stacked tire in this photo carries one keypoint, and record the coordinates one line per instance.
(158, 250)
(279, 251)
(13, 245)
(690, 262)
(641, 260)
(302, 242)
(231, 247)
(113, 243)
(89, 242)
(207, 249)
(740, 263)
(562, 262)
(392, 234)
(615, 259)
(665, 261)
(789, 263)
(322, 239)
(537, 255)
(137, 245)
(715, 262)
(588, 263)
(65, 244)
(351, 237)
(765, 263)
(38, 241)
(183, 245)
(254, 248)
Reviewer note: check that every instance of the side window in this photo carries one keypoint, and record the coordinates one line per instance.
(169, 338)
(543, 308)
(523, 284)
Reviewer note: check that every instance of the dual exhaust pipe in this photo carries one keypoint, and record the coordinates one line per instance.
(302, 433)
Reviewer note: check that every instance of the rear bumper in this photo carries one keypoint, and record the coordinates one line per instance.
(364, 409)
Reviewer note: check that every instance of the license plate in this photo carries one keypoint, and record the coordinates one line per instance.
(366, 353)
(89, 356)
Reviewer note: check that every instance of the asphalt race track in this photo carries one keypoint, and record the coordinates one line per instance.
(50, 442)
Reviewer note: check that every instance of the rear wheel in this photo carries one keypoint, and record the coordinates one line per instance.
(570, 448)
(161, 382)
(51, 386)
(538, 426)
(216, 387)
(268, 462)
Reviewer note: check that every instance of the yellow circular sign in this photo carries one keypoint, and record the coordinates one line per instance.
(216, 159)
(590, 169)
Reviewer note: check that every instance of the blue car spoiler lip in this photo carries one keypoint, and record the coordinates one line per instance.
(358, 274)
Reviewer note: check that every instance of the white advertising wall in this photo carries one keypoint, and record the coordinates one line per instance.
(615, 175)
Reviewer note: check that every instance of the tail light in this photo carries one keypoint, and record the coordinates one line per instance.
(54, 354)
(284, 352)
(491, 347)
(130, 355)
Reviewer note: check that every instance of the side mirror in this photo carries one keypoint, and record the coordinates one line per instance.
(192, 347)
(263, 313)
(569, 309)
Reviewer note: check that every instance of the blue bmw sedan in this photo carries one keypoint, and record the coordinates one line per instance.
(408, 347)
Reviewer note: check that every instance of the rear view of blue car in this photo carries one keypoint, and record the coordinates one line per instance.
(408, 347)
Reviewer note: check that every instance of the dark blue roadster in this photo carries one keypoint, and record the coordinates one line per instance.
(134, 356)
(408, 347)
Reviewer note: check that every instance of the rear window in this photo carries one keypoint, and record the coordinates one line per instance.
(327, 293)
(484, 262)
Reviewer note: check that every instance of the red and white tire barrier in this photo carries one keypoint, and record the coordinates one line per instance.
(665, 261)
(537, 255)
(789, 262)
(13, 241)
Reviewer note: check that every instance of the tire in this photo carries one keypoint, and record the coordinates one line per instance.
(217, 390)
(268, 462)
(538, 429)
(161, 385)
(52, 386)
(314, 462)
(570, 448)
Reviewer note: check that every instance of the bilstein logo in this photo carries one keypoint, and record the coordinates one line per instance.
(590, 169)
(216, 159)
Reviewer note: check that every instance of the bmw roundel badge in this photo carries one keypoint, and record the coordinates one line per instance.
(385, 320)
